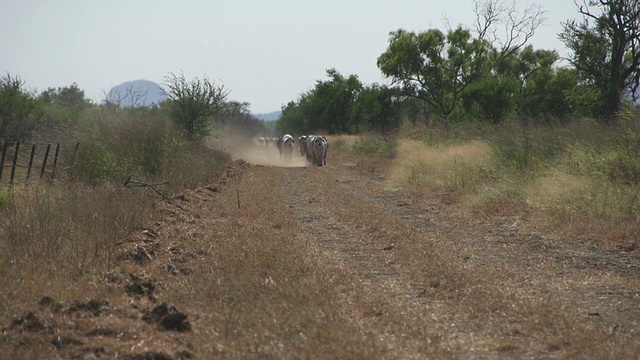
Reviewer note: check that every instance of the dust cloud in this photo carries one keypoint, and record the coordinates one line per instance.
(249, 150)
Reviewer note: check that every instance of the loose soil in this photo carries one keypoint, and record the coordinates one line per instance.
(407, 277)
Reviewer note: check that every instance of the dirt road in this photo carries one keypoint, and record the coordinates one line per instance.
(286, 261)
(475, 289)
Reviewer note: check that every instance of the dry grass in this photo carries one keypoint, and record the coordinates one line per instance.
(265, 293)
(566, 193)
(445, 167)
(53, 236)
(342, 142)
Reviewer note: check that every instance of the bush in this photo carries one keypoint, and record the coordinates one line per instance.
(119, 143)
(19, 112)
(193, 105)
(145, 144)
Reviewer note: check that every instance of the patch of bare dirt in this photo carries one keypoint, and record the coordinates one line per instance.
(428, 282)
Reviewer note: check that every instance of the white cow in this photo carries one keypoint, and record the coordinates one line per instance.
(285, 146)
(317, 147)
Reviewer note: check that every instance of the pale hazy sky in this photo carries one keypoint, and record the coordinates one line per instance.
(265, 52)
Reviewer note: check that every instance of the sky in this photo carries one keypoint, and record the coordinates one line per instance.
(265, 53)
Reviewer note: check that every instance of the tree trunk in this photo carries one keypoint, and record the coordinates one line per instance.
(612, 104)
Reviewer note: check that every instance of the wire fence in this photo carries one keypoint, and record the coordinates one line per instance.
(18, 161)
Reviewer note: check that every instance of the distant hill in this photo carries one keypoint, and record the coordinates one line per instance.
(136, 93)
(272, 116)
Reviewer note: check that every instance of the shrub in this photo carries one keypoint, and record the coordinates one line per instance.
(19, 112)
(193, 105)
(119, 143)
(145, 144)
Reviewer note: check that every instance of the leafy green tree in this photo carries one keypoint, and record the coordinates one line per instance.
(491, 98)
(379, 108)
(332, 103)
(293, 119)
(19, 111)
(434, 67)
(551, 92)
(606, 49)
(541, 83)
(585, 100)
(526, 82)
(342, 105)
(193, 105)
(437, 68)
(69, 96)
(64, 104)
(328, 107)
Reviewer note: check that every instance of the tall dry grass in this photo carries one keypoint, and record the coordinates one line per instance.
(559, 178)
(53, 233)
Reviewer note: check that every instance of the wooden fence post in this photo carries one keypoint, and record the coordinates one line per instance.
(33, 153)
(15, 162)
(55, 160)
(44, 161)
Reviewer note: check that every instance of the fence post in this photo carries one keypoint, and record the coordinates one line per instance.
(55, 160)
(33, 153)
(44, 161)
(15, 162)
(4, 153)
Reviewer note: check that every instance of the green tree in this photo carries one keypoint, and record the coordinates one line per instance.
(69, 96)
(193, 105)
(525, 82)
(64, 104)
(606, 49)
(491, 98)
(333, 101)
(19, 111)
(328, 107)
(551, 95)
(434, 67)
(541, 83)
(437, 68)
(293, 119)
(379, 108)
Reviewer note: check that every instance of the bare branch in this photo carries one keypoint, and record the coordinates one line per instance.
(518, 26)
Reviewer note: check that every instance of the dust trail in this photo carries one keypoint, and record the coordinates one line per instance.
(249, 150)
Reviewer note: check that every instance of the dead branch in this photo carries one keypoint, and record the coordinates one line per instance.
(518, 25)
(130, 183)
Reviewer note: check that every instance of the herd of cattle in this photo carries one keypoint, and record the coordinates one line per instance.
(313, 147)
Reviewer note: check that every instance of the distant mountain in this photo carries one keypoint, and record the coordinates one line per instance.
(136, 93)
(272, 116)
